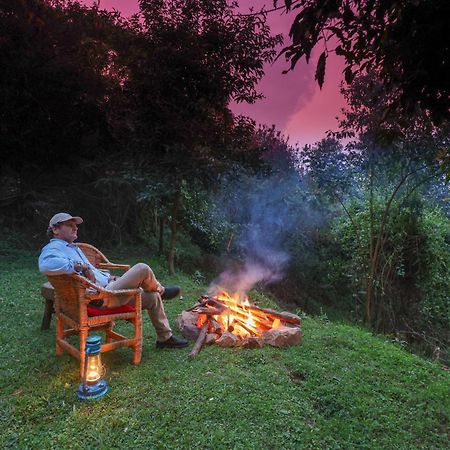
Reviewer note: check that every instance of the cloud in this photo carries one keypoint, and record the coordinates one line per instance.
(310, 121)
(126, 7)
(294, 103)
(284, 94)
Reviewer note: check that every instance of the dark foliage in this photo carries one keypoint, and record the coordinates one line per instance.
(94, 108)
(405, 42)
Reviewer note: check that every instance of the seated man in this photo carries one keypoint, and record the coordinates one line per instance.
(62, 256)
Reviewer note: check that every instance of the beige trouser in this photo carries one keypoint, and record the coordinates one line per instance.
(140, 275)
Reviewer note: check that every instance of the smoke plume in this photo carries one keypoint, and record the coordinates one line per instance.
(265, 216)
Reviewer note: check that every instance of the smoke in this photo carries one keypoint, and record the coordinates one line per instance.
(265, 214)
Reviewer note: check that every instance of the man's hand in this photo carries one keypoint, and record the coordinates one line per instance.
(79, 266)
(89, 274)
(84, 270)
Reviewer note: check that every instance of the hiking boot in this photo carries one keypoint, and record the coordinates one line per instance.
(172, 342)
(170, 292)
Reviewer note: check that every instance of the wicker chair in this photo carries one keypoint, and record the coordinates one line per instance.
(73, 293)
(96, 258)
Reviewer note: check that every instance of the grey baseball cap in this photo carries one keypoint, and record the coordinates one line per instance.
(63, 217)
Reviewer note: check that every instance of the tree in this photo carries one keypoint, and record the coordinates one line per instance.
(390, 172)
(404, 42)
(58, 76)
(193, 58)
(54, 79)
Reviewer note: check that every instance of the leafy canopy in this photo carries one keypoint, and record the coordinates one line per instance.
(405, 42)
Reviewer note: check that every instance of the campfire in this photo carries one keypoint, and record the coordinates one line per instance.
(228, 321)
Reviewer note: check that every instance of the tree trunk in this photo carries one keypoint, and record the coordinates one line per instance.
(173, 231)
(161, 236)
(375, 250)
(371, 272)
(155, 220)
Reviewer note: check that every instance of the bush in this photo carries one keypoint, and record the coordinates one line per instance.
(413, 272)
(435, 304)
(12, 243)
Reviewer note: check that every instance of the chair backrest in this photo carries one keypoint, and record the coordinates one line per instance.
(69, 294)
(93, 254)
(99, 260)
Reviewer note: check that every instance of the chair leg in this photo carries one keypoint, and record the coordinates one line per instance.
(59, 335)
(137, 353)
(108, 330)
(137, 348)
(48, 311)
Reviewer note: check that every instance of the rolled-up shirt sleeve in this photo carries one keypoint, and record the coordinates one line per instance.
(55, 263)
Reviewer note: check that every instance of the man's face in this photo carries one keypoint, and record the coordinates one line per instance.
(67, 231)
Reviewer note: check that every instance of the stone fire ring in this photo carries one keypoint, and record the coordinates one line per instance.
(283, 336)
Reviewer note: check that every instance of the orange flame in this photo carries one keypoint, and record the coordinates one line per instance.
(238, 319)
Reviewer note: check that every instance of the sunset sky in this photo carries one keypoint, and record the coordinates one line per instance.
(294, 102)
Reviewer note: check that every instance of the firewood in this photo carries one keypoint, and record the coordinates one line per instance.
(208, 311)
(245, 327)
(214, 302)
(215, 326)
(217, 308)
(263, 317)
(239, 311)
(201, 302)
(283, 316)
(243, 315)
(200, 340)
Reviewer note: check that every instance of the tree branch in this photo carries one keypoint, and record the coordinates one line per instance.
(277, 8)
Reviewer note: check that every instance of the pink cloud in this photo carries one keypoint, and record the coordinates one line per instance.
(126, 7)
(313, 118)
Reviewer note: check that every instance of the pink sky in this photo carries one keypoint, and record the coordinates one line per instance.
(294, 102)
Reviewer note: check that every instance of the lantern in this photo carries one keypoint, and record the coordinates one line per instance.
(93, 385)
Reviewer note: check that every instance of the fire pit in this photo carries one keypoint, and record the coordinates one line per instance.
(225, 320)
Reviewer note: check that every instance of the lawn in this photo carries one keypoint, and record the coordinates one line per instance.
(342, 388)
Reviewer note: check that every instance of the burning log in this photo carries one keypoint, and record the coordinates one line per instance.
(200, 340)
(208, 311)
(262, 323)
(262, 314)
(239, 312)
(245, 327)
(214, 302)
(201, 302)
(283, 316)
(215, 326)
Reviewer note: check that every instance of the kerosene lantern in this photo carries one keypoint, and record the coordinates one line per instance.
(93, 385)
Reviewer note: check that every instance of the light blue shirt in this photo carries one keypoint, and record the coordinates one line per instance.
(58, 257)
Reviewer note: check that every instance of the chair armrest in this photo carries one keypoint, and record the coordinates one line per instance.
(104, 293)
(113, 266)
(101, 292)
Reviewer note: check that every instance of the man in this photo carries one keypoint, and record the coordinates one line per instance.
(62, 256)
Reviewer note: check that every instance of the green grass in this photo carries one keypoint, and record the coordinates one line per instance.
(342, 388)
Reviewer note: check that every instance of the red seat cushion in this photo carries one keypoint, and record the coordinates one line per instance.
(106, 311)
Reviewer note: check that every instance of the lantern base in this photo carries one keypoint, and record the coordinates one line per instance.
(87, 392)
